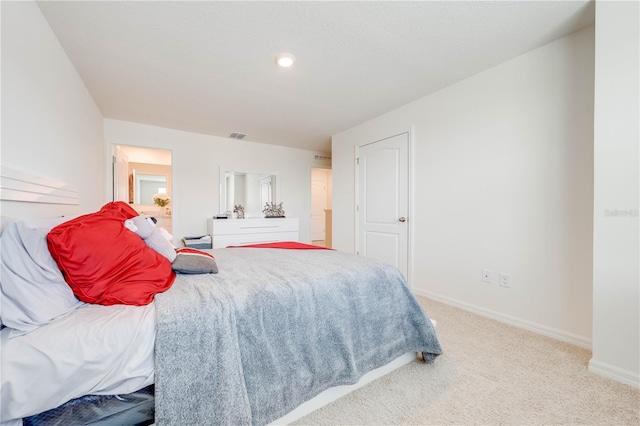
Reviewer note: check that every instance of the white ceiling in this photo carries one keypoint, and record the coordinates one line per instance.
(208, 66)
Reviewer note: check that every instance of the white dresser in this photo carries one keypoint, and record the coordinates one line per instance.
(235, 232)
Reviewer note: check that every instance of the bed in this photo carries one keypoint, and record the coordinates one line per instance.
(270, 332)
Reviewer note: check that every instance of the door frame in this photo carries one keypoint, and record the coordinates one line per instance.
(410, 195)
(326, 204)
(329, 168)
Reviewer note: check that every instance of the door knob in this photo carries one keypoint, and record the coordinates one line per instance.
(402, 219)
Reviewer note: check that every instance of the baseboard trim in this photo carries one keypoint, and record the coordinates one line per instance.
(508, 319)
(611, 372)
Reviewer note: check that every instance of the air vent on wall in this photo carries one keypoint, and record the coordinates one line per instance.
(322, 157)
(236, 135)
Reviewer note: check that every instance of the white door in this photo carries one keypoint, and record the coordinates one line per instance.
(383, 201)
(318, 206)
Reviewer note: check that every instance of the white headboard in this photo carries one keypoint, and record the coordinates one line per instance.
(24, 195)
(16, 185)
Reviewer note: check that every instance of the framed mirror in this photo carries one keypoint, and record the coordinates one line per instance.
(146, 186)
(250, 189)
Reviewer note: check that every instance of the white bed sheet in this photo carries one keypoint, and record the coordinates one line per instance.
(100, 350)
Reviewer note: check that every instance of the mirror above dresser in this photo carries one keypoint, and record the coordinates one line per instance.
(251, 189)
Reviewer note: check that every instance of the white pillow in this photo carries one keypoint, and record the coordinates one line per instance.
(33, 290)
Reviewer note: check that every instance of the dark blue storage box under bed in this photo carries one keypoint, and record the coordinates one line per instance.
(136, 408)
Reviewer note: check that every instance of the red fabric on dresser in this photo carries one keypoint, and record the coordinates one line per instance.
(284, 245)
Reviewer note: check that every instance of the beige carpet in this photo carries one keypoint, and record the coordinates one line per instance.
(490, 374)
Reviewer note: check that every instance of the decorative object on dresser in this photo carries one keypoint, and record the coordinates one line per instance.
(272, 210)
(239, 209)
(252, 231)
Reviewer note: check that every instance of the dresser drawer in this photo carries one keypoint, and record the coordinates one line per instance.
(229, 232)
(250, 226)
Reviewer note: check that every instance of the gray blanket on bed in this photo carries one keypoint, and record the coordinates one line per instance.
(273, 329)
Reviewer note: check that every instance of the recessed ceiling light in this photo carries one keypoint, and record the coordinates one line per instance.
(285, 60)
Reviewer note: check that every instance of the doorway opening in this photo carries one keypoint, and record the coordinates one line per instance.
(140, 174)
(321, 186)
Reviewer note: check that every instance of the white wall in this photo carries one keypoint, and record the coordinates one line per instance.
(50, 124)
(502, 180)
(616, 253)
(196, 162)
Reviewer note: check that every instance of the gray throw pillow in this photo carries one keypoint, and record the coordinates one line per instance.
(192, 261)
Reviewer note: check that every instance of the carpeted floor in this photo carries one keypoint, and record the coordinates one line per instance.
(490, 374)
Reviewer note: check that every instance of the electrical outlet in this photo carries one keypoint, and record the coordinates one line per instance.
(486, 276)
(505, 280)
